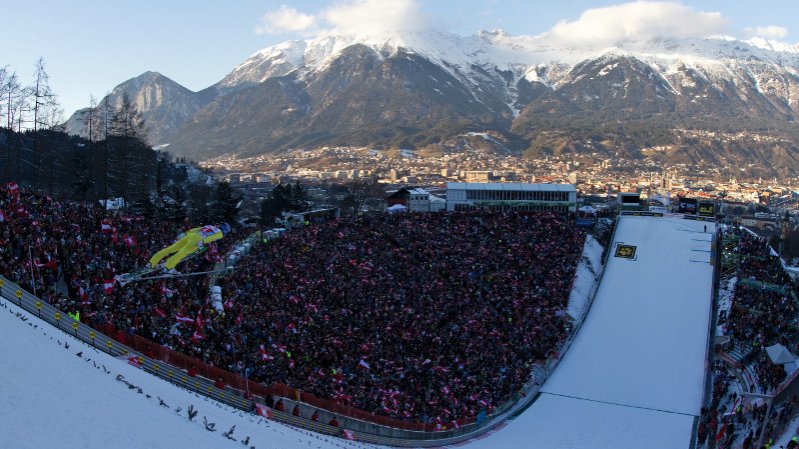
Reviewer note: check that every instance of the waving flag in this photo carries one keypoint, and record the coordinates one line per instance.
(108, 286)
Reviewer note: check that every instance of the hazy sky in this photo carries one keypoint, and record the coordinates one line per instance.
(90, 46)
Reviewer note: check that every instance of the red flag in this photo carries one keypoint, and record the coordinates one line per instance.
(720, 435)
(347, 434)
(239, 319)
(133, 360)
(105, 226)
(82, 293)
(363, 364)
(13, 188)
(130, 240)
(50, 265)
(263, 410)
(108, 286)
(160, 312)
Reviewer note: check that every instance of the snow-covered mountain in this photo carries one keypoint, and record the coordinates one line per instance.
(164, 105)
(419, 88)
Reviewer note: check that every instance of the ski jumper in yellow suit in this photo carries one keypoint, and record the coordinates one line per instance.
(191, 242)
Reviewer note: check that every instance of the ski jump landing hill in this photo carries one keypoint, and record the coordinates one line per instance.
(635, 374)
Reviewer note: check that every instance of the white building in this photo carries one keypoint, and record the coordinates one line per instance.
(511, 196)
(420, 200)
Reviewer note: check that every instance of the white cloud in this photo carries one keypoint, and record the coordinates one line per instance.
(285, 20)
(348, 16)
(772, 31)
(369, 16)
(635, 22)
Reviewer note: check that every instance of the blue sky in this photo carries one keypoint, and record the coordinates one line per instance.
(90, 46)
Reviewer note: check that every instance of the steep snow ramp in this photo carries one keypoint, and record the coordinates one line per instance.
(634, 375)
(71, 397)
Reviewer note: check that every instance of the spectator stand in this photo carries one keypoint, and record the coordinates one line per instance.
(753, 399)
(92, 246)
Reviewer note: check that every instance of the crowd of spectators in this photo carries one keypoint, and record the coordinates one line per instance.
(762, 312)
(423, 317)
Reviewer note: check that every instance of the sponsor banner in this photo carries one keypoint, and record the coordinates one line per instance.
(625, 251)
(698, 218)
(707, 209)
(687, 206)
(641, 213)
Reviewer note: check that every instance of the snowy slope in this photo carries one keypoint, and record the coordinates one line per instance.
(634, 376)
(53, 398)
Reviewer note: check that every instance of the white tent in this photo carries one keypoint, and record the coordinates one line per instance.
(780, 355)
(397, 208)
(588, 209)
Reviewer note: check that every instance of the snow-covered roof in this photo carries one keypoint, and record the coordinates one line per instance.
(779, 354)
(511, 186)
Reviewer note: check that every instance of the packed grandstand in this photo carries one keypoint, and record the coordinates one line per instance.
(426, 318)
(758, 310)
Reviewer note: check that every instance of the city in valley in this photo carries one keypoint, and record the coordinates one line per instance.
(597, 177)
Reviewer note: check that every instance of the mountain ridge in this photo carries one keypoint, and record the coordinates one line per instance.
(520, 86)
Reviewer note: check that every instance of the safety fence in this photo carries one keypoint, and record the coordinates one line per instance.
(236, 381)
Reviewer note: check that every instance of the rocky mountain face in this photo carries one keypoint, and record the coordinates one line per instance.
(419, 90)
(164, 105)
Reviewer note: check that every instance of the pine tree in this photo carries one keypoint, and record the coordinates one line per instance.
(225, 204)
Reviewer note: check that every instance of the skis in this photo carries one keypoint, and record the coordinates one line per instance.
(144, 273)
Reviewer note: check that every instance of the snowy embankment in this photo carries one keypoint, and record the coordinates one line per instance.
(586, 278)
(60, 392)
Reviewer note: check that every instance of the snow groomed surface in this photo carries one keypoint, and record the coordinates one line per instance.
(634, 376)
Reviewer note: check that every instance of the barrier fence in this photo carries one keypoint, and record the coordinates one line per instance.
(190, 364)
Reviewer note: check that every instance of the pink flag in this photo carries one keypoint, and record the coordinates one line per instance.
(197, 336)
(183, 319)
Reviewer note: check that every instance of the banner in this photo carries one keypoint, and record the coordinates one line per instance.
(625, 251)
(707, 209)
(687, 206)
